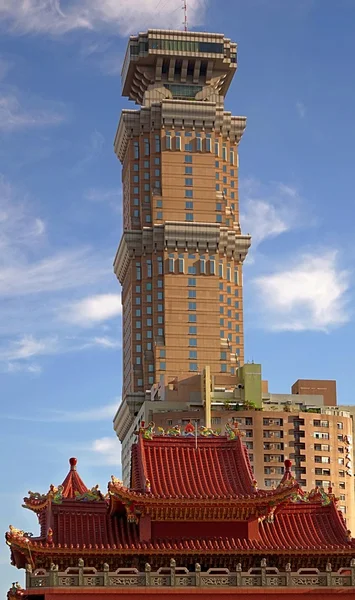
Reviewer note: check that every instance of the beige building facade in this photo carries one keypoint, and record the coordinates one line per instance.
(181, 253)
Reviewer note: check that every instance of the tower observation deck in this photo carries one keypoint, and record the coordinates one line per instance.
(181, 252)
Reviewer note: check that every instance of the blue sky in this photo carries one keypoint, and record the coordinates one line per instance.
(60, 215)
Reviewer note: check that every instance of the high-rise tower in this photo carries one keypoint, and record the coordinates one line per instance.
(181, 253)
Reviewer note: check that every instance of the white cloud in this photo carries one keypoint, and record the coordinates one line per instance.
(124, 16)
(100, 413)
(110, 196)
(92, 310)
(15, 116)
(268, 210)
(301, 110)
(310, 294)
(106, 342)
(27, 347)
(109, 450)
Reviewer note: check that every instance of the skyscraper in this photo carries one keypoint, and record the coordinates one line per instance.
(181, 252)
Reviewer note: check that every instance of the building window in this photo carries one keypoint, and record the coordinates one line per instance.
(192, 305)
(188, 158)
(198, 144)
(146, 147)
(193, 354)
(188, 193)
(157, 143)
(177, 142)
(231, 157)
(208, 145)
(138, 271)
(189, 217)
(159, 204)
(135, 150)
(192, 318)
(149, 268)
(162, 366)
(188, 147)
(140, 382)
(188, 170)
(168, 140)
(191, 294)
(159, 215)
(193, 366)
(189, 205)
(171, 263)
(224, 153)
(181, 264)
(212, 266)
(191, 282)
(223, 368)
(150, 380)
(193, 342)
(218, 218)
(223, 356)
(216, 148)
(157, 161)
(188, 181)
(192, 330)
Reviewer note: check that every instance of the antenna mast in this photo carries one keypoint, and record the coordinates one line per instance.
(184, 8)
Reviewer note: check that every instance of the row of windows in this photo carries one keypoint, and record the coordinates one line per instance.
(146, 147)
(200, 145)
(146, 163)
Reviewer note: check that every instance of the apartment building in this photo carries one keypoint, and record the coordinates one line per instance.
(317, 438)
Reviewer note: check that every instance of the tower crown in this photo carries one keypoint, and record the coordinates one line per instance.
(185, 65)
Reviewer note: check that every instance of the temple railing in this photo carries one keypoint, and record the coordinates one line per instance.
(174, 576)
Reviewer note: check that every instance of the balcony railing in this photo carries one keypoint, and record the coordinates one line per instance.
(174, 576)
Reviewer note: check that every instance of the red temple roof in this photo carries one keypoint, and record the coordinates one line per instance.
(179, 467)
(73, 484)
(182, 501)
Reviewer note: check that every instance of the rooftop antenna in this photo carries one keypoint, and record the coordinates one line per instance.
(184, 8)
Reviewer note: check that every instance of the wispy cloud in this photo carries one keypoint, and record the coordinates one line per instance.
(27, 347)
(49, 17)
(108, 449)
(5, 66)
(106, 342)
(268, 210)
(301, 110)
(308, 294)
(100, 413)
(17, 367)
(110, 196)
(92, 310)
(92, 151)
(61, 271)
(17, 116)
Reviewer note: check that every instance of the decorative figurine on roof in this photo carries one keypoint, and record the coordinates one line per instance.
(232, 430)
(92, 495)
(173, 431)
(189, 429)
(148, 431)
(207, 431)
(160, 431)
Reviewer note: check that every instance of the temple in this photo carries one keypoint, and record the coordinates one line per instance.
(192, 502)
